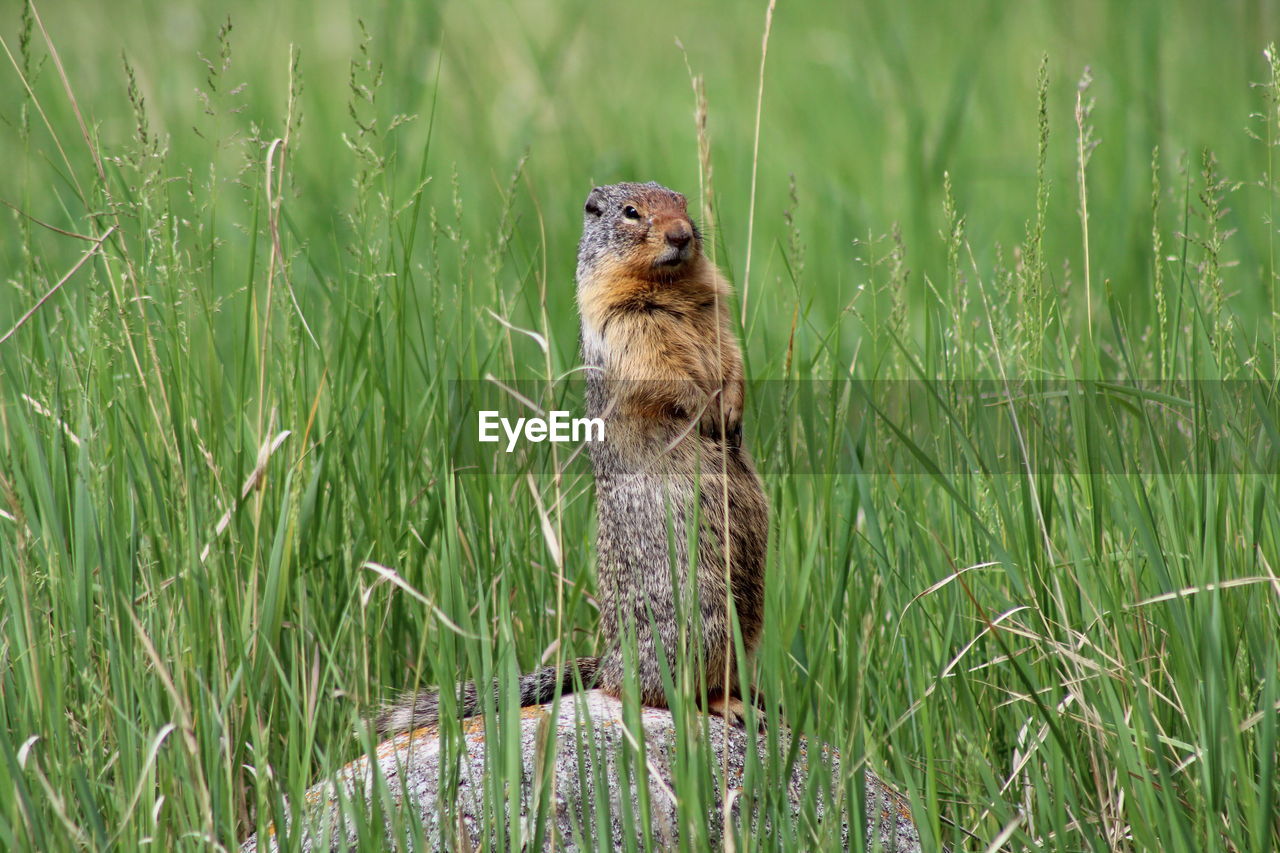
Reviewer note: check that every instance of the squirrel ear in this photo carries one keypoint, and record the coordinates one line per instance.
(594, 200)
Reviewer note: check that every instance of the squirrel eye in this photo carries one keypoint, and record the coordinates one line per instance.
(630, 212)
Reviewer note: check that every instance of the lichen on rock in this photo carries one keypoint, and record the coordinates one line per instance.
(592, 741)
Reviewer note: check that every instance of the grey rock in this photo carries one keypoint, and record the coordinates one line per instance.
(589, 728)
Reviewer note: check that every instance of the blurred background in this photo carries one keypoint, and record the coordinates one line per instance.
(866, 106)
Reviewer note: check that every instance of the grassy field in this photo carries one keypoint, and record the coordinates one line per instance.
(1022, 462)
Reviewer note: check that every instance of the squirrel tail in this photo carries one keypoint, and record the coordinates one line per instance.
(414, 710)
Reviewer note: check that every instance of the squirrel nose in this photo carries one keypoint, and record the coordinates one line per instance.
(679, 234)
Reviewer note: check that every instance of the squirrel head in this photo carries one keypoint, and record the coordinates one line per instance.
(643, 230)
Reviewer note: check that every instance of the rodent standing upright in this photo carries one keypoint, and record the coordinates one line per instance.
(664, 371)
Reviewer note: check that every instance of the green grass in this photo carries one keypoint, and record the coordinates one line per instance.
(1075, 653)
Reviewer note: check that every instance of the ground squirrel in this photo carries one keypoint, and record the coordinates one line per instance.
(664, 371)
